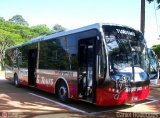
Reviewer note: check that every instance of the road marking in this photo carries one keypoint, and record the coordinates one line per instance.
(152, 100)
(104, 111)
(61, 104)
(92, 113)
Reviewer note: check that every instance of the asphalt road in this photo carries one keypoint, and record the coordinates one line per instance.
(30, 103)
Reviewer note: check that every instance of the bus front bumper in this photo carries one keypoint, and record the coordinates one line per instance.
(105, 98)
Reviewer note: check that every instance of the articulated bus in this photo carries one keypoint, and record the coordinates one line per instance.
(103, 64)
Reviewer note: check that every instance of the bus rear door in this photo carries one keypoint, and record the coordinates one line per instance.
(32, 57)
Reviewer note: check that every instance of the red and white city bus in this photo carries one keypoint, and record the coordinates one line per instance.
(104, 64)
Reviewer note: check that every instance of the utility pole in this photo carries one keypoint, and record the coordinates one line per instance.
(142, 22)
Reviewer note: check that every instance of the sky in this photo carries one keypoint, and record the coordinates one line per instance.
(77, 13)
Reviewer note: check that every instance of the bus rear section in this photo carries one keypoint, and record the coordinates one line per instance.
(124, 76)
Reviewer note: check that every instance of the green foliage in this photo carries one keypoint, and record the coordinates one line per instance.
(156, 49)
(16, 31)
(2, 19)
(41, 29)
(6, 41)
(157, 1)
(23, 32)
(57, 28)
(18, 19)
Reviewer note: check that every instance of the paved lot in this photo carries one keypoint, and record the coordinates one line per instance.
(29, 103)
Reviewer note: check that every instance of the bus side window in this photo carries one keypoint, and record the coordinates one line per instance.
(8, 59)
(62, 59)
(20, 58)
(54, 55)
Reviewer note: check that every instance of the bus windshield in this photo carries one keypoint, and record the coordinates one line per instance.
(126, 48)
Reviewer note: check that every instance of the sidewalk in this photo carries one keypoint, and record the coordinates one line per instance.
(159, 81)
(155, 85)
(2, 74)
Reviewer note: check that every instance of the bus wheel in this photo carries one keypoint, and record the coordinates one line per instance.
(62, 92)
(16, 81)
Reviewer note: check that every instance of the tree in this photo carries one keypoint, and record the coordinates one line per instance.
(41, 29)
(5, 41)
(18, 19)
(156, 49)
(2, 19)
(16, 31)
(57, 28)
(157, 1)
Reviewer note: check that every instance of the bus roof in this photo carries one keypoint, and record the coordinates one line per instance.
(65, 32)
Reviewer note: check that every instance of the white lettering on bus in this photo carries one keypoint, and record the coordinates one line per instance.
(122, 31)
(65, 73)
(42, 80)
(133, 89)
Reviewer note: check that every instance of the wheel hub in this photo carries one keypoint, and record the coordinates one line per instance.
(62, 91)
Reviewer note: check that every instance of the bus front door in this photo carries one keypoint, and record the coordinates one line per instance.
(32, 57)
(86, 77)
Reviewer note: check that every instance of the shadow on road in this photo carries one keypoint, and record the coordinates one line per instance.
(18, 102)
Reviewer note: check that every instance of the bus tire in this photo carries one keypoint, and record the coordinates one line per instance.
(16, 81)
(62, 92)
